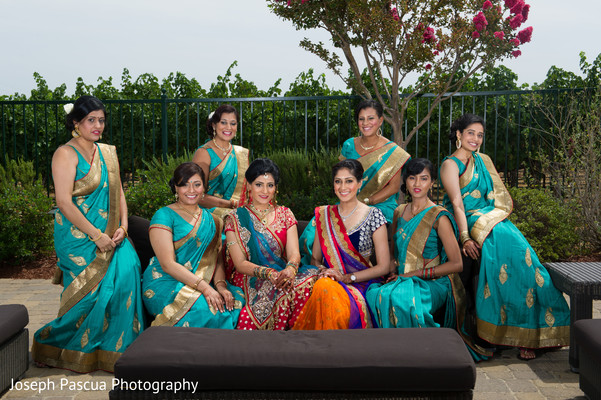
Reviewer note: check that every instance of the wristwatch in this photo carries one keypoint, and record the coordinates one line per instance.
(353, 278)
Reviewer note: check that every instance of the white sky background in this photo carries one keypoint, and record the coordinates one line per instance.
(67, 39)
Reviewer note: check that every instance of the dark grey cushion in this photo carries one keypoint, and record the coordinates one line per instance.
(13, 318)
(433, 359)
(587, 333)
(138, 235)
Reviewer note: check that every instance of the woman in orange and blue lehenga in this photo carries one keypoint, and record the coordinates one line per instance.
(347, 236)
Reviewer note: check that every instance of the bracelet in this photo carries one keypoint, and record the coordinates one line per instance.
(124, 231)
(233, 203)
(464, 237)
(228, 244)
(220, 281)
(196, 284)
(366, 201)
(263, 272)
(99, 236)
(428, 273)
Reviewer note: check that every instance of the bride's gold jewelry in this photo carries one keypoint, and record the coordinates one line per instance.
(366, 148)
(262, 214)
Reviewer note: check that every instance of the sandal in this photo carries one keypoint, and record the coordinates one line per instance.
(526, 354)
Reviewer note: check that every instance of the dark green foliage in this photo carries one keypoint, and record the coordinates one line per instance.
(305, 180)
(17, 172)
(25, 222)
(549, 224)
(144, 198)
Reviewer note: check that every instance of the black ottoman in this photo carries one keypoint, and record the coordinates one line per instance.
(371, 363)
(14, 343)
(587, 334)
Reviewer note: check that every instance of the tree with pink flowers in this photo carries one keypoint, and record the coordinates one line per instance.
(434, 39)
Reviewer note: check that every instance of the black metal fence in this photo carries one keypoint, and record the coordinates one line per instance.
(142, 129)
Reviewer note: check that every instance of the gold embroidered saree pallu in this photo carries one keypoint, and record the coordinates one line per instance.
(101, 310)
(516, 302)
(412, 302)
(196, 248)
(335, 305)
(226, 178)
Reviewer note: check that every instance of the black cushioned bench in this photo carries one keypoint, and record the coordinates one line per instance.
(371, 363)
(587, 334)
(14, 343)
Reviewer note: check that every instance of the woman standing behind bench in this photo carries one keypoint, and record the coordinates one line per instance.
(382, 161)
(262, 245)
(347, 236)
(516, 302)
(224, 163)
(184, 285)
(428, 260)
(100, 310)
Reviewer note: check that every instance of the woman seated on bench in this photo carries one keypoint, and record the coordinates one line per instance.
(187, 242)
(348, 234)
(262, 246)
(427, 260)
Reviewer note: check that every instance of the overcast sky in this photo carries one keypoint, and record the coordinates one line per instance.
(67, 39)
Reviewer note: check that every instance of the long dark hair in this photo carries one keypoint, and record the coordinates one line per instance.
(82, 107)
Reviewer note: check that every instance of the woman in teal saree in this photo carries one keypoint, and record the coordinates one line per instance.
(516, 302)
(223, 162)
(100, 310)
(427, 260)
(382, 161)
(184, 284)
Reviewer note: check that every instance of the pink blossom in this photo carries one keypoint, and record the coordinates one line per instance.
(516, 53)
(510, 3)
(500, 35)
(525, 12)
(517, 7)
(525, 35)
(475, 34)
(428, 35)
(515, 42)
(516, 21)
(435, 52)
(395, 14)
(480, 21)
(487, 4)
(428, 67)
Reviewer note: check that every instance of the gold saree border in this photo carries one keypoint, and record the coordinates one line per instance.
(524, 337)
(90, 181)
(414, 260)
(187, 296)
(391, 167)
(503, 205)
(91, 276)
(241, 155)
(74, 360)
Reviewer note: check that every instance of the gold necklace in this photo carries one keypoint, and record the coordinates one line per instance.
(225, 151)
(366, 148)
(420, 210)
(194, 215)
(262, 214)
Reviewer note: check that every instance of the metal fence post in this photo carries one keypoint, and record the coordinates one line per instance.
(164, 141)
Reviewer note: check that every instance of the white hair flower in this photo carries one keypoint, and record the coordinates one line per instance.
(68, 107)
(211, 114)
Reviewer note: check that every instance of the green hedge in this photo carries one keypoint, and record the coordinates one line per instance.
(550, 225)
(26, 227)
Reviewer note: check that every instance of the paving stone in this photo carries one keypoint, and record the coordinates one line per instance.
(521, 385)
(529, 396)
(491, 385)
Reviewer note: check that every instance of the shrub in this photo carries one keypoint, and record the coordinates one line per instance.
(144, 198)
(550, 225)
(17, 172)
(26, 227)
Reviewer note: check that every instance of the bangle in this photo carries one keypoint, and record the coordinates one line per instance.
(464, 237)
(196, 284)
(99, 236)
(220, 281)
(124, 231)
(366, 201)
(428, 273)
(233, 203)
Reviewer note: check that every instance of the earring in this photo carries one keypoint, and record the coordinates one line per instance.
(75, 133)
(379, 132)
(176, 197)
(458, 143)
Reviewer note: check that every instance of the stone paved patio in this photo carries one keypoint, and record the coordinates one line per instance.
(503, 377)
